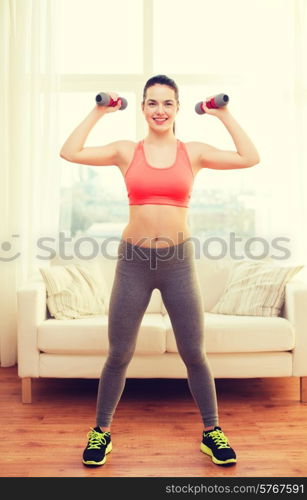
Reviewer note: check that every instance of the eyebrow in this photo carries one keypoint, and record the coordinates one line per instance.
(166, 100)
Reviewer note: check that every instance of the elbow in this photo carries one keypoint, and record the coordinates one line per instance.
(73, 157)
(66, 156)
(253, 161)
(257, 160)
(63, 155)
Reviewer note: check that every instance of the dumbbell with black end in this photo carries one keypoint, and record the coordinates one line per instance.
(103, 99)
(214, 102)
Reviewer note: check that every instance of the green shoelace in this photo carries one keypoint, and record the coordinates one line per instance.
(95, 439)
(219, 439)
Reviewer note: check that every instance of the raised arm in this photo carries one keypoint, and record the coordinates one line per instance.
(246, 154)
(73, 149)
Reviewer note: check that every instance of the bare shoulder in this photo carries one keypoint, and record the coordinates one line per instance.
(125, 151)
(195, 151)
(197, 148)
(125, 145)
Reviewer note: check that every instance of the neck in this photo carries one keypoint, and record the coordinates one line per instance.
(160, 139)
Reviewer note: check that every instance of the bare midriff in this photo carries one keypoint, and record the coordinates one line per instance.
(156, 225)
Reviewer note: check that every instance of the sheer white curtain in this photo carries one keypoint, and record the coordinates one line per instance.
(30, 164)
(300, 93)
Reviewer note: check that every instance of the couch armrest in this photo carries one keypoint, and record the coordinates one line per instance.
(31, 310)
(295, 310)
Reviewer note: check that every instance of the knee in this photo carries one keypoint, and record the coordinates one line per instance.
(119, 358)
(193, 357)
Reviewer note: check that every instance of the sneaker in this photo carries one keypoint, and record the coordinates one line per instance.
(215, 444)
(98, 446)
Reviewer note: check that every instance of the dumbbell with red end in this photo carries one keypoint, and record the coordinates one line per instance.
(217, 101)
(103, 99)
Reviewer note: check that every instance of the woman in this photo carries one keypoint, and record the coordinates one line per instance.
(156, 251)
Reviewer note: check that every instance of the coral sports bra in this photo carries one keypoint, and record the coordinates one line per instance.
(148, 185)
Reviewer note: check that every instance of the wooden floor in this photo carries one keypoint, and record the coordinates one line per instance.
(156, 430)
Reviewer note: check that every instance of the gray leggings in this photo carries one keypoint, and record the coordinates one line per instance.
(139, 270)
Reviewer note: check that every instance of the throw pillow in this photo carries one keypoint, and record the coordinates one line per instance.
(73, 292)
(255, 289)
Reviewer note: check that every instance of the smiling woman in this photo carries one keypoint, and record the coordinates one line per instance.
(159, 174)
(167, 105)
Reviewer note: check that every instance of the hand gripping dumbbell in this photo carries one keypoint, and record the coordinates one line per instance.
(103, 99)
(217, 101)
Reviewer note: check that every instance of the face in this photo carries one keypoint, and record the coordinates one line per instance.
(160, 107)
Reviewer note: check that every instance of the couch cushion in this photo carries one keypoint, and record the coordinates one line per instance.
(226, 333)
(90, 335)
(73, 291)
(255, 289)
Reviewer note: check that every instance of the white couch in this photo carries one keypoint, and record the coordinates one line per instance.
(237, 346)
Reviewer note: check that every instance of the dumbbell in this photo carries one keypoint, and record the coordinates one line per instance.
(103, 99)
(217, 101)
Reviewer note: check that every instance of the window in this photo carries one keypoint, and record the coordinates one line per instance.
(243, 48)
